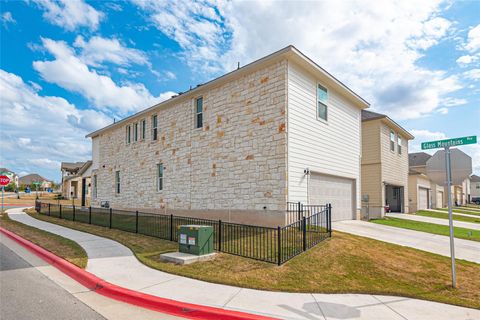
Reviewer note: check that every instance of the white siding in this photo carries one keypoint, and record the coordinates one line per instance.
(332, 148)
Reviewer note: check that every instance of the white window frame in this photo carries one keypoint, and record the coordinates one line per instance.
(392, 141)
(197, 124)
(160, 176)
(117, 182)
(399, 144)
(323, 102)
(154, 127)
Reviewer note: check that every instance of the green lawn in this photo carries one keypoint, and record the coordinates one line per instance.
(62, 247)
(475, 213)
(342, 264)
(441, 215)
(461, 233)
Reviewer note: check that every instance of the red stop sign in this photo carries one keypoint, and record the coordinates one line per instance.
(4, 180)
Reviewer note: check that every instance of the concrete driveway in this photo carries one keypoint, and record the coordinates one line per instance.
(464, 249)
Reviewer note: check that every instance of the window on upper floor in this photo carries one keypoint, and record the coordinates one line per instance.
(143, 128)
(399, 144)
(392, 141)
(154, 127)
(135, 131)
(128, 136)
(322, 99)
(199, 112)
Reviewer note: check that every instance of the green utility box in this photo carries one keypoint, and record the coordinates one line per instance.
(195, 239)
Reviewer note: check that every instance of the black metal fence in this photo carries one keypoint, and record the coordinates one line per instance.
(274, 245)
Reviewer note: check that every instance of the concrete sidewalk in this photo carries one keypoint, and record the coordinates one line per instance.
(464, 249)
(116, 264)
(443, 222)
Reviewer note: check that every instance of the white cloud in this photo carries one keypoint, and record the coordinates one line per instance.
(98, 50)
(473, 40)
(39, 127)
(70, 14)
(472, 74)
(70, 72)
(7, 18)
(467, 59)
(453, 102)
(373, 49)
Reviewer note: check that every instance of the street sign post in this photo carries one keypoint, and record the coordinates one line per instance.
(4, 181)
(463, 163)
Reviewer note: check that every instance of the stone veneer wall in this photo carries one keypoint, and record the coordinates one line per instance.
(237, 161)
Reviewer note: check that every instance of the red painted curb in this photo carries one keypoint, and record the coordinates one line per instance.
(163, 305)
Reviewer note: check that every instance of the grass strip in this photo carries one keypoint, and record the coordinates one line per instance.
(441, 215)
(460, 233)
(454, 210)
(60, 246)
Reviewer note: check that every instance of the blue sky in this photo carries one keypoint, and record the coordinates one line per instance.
(68, 68)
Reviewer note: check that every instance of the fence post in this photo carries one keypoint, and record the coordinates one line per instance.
(219, 235)
(60, 214)
(299, 211)
(171, 227)
(279, 244)
(90, 215)
(329, 219)
(49, 209)
(304, 227)
(73, 212)
(136, 221)
(110, 224)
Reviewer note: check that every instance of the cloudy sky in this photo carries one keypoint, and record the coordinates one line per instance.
(71, 67)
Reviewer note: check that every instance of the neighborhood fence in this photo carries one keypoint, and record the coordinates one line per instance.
(274, 245)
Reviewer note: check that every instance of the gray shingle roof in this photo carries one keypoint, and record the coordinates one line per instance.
(370, 115)
(30, 178)
(474, 178)
(418, 159)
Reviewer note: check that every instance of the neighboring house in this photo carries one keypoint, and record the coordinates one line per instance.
(423, 195)
(76, 181)
(29, 179)
(11, 175)
(384, 165)
(278, 130)
(475, 188)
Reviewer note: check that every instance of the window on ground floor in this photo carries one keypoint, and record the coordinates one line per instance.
(95, 186)
(117, 182)
(159, 176)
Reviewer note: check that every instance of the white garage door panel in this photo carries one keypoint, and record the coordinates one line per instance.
(335, 190)
(422, 199)
(439, 199)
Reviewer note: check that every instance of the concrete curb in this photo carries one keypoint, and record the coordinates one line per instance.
(92, 282)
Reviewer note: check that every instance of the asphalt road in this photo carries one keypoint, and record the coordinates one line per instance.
(25, 293)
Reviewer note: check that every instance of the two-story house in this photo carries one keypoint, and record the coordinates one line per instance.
(280, 129)
(475, 189)
(384, 165)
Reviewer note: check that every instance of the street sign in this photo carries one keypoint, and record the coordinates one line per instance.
(449, 142)
(461, 167)
(4, 180)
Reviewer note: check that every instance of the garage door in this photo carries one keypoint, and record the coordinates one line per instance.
(422, 199)
(335, 190)
(439, 199)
